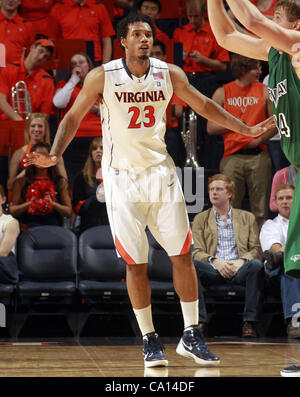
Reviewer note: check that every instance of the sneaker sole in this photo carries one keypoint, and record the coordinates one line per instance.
(290, 374)
(158, 363)
(182, 352)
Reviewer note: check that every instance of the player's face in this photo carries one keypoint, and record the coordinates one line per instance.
(79, 65)
(284, 201)
(139, 40)
(281, 19)
(218, 193)
(158, 53)
(36, 130)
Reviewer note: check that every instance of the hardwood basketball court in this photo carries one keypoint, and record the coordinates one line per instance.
(122, 357)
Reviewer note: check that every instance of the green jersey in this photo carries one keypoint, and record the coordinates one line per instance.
(284, 93)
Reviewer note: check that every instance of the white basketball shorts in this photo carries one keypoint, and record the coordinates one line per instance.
(150, 198)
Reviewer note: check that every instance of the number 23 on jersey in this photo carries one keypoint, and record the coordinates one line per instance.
(147, 116)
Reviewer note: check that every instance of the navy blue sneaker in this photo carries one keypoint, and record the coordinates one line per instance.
(292, 371)
(192, 345)
(153, 351)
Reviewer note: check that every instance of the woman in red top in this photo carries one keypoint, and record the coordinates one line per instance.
(90, 127)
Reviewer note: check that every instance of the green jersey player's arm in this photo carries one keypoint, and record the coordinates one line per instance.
(277, 36)
(230, 38)
(91, 91)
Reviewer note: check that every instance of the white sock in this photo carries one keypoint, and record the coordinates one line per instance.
(190, 311)
(144, 319)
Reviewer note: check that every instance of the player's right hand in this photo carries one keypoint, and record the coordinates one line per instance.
(264, 126)
(40, 160)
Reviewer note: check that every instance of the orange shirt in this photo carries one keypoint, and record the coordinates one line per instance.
(90, 22)
(246, 104)
(40, 86)
(203, 41)
(38, 13)
(16, 34)
(90, 124)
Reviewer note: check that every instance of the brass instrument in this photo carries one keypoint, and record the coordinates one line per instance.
(189, 136)
(21, 101)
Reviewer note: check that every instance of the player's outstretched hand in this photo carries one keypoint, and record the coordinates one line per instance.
(264, 126)
(40, 160)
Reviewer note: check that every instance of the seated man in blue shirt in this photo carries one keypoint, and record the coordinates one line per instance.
(227, 250)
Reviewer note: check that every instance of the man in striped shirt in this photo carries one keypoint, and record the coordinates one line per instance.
(227, 251)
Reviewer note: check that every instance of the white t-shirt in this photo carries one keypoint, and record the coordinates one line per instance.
(133, 115)
(4, 221)
(273, 231)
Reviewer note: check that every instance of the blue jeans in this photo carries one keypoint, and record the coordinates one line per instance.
(289, 291)
(250, 275)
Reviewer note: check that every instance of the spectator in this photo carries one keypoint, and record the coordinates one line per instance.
(173, 139)
(90, 126)
(38, 13)
(9, 231)
(287, 175)
(36, 130)
(90, 209)
(16, 33)
(273, 237)
(152, 8)
(202, 56)
(246, 160)
(202, 59)
(86, 20)
(121, 9)
(227, 251)
(42, 196)
(40, 85)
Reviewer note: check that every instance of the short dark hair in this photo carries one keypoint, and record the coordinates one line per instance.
(157, 2)
(291, 7)
(160, 44)
(123, 25)
(241, 65)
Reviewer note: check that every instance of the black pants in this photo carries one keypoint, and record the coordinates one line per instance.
(250, 275)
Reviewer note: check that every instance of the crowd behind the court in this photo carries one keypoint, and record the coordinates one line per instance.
(228, 243)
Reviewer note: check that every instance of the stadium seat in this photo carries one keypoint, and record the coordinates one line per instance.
(101, 276)
(47, 258)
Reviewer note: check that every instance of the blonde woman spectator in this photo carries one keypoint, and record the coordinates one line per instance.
(36, 130)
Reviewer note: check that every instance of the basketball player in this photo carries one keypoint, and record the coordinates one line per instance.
(277, 41)
(140, 181)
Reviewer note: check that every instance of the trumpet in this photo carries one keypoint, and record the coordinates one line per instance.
(189, 136)
(21, 101)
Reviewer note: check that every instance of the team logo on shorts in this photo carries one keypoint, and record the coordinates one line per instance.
(295, 258)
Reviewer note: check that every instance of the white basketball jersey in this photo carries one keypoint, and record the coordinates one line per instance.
(133, 115)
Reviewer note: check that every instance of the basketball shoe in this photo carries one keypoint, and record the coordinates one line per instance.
(153, 351)
(192, 345)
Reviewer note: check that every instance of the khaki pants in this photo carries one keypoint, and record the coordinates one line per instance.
(255, 172)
